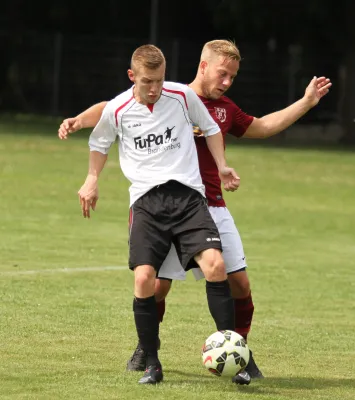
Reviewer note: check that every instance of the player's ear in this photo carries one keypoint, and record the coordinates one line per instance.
(203, 66)
(130, 75)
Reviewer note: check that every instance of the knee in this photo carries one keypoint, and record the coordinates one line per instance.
(239, 284)
(162, 288)
(215, 269)
(144, 278)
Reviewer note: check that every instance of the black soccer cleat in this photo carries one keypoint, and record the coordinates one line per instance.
(243, 378)
(138, 360)
(153, 375)
(253, 369)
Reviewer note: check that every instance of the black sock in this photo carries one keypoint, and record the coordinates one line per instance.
(147, 325)
(221, 305)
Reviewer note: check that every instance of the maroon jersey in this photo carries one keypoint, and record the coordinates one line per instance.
(231, 119)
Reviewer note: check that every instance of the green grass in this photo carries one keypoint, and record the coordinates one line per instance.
(67, 335)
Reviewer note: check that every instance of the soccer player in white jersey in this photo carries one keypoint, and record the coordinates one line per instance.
(152, 121)
(217, 69)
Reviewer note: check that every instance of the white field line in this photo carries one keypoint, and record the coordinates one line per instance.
(63, 270)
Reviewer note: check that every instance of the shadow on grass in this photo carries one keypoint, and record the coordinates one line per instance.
(267, 386)
(299, 382)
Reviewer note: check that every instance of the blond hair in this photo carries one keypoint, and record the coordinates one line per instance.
(148, 56)
(224, 48)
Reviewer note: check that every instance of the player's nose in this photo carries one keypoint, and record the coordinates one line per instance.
(227, 82)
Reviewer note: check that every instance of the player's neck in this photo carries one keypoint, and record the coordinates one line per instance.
(137, 98)
(197, 87)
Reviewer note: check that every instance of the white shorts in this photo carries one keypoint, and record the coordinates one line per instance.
(233, 253)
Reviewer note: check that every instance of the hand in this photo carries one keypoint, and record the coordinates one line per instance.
(69, 125)
(229, 178)
(317, 88)
(88, 195)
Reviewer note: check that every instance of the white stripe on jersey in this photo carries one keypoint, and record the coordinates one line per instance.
(157, 146)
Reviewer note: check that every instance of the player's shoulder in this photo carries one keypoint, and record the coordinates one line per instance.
(121, 100)
(175, 87)
(169, 85)
(178, 91)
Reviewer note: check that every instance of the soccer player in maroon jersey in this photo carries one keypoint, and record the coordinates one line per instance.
(219, 65)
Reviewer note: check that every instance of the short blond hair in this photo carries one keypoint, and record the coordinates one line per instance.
(224, 48)
(148, 56)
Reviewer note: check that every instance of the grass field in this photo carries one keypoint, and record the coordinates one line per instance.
(67, 334)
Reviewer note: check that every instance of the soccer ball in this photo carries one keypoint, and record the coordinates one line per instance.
(225, 353)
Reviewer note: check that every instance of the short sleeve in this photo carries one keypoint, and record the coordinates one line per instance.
(199, 114)
(240, 121)
(105, 132)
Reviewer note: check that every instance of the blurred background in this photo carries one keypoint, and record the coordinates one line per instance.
(59, 57)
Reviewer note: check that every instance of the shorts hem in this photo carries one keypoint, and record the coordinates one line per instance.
(166, 279)
(133, 266)
(209, 245)
(239, 269)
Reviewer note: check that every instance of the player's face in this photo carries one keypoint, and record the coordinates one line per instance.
(148, 83)
(218, 76)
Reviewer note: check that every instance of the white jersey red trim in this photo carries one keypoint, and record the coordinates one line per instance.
(155, 146)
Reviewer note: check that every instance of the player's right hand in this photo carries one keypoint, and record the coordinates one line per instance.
(229, 178)
(69, 125)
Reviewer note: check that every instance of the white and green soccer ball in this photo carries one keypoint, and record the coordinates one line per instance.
(225, 353)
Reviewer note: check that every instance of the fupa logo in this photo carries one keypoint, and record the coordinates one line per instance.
(153, 139)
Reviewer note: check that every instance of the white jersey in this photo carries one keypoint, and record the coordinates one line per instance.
(156, 143)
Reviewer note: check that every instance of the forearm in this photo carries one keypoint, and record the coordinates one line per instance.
(97, 162)
(91, 116)
(281, 120)
(216, 147)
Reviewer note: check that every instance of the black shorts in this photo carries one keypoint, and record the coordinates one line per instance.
(170, 213)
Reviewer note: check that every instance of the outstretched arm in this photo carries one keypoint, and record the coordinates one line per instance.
(278, 121)
(87, 119)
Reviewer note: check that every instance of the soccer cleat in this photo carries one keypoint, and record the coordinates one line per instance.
(252, 369)
(138, 360)
(153, 374)
(243, 378)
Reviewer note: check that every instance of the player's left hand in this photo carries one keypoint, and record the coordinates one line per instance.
(88, 196)
(229, 178)
(317, 88)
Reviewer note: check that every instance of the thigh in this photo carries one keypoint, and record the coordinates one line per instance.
(171, 267)
(149, 244)
(233, 252)
(195, 232)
